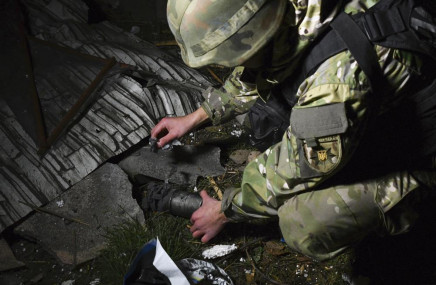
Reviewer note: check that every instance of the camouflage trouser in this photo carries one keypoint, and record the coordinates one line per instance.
(328, 125)
(323, 223)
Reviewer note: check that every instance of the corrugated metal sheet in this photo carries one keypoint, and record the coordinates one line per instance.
(126, 108)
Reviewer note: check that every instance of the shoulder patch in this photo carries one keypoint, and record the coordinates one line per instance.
(318, 130)
(325, 156)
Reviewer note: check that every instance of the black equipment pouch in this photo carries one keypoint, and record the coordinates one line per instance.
(269, 120)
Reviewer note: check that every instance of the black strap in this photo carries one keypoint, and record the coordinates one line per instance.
(417, 115)
(362, 50)
(400, 24)
(328, 46)
(346, 34)
(380, 24)
(426, 99)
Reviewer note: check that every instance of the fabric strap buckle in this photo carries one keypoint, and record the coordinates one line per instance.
(381, 24)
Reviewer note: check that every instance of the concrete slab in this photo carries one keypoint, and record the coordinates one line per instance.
(181, 165)
(101, 200)
(7, 258)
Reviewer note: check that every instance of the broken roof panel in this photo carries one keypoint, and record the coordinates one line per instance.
(17, 86)
(66, 83)
(125, 110)
(105, 40)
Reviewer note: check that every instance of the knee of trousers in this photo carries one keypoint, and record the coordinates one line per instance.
(324, 223)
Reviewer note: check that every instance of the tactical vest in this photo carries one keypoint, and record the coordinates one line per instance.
(400, 24)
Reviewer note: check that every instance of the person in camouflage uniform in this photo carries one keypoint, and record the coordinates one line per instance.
(265, 40)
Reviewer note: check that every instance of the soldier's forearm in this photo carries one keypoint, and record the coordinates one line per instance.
(198, 117)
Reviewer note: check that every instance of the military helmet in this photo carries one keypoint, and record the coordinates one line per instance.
(223, 32)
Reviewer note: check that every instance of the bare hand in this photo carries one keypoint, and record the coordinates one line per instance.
(169, 129)
(208, 220)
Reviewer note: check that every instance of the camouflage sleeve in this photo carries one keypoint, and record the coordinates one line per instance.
(326, 126)
(233, 98)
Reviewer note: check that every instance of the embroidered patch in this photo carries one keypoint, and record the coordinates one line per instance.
(326, 155)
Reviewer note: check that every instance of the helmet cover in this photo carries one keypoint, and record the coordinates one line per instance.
(223, 32)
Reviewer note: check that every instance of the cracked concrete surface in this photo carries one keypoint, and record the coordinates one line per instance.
(101, 200)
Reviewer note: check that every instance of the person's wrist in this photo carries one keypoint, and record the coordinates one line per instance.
(197, 118)
(201, 115)
(224, 218)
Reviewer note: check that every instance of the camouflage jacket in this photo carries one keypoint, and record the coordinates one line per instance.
(295, 165)
(304, 21)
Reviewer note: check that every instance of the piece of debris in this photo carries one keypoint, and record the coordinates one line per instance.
(275, 248)
(60, 203)
(152, 259)
(215, 187)
(218, 251)
(103, 199)
(7, 258)
(236, 133)
(38, 277)
(249, 276)
(181, 165)
(203, 272)
(240, 156)
(252, 155)
(169, 146)
(95, 282)
(135, 29)
(153, 144)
